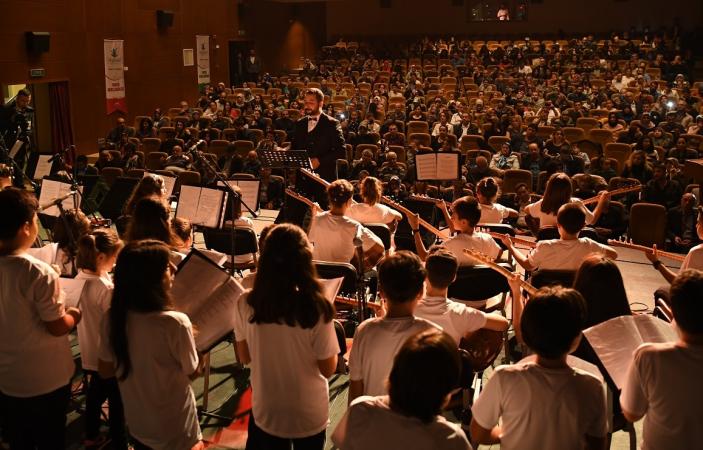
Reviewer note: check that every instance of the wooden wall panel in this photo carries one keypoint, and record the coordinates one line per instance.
(156, 76)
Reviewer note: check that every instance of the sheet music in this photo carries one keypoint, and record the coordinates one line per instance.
(216, 318)
(214, 256)
(72, 289)
(169, 182)
(43, 168)
(615, 340)
(426, 165)
(209, 208)
(46, 253)
(250, 192)
(16, 148)
(196, 280)
(447, 166)
(188, 202)
(50, 190)
(330, 287)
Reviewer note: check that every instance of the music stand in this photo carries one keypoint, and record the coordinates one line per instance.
(289, 159)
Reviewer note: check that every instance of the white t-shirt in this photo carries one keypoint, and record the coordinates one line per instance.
(378, 213)
(559, 254)
(542, 409)
(375, 345)
(32, 361)
(664, 381)
(159, 404)
(481, 242)
(494, 213)
(694, 258)
(290, 397)
(550, 220)
(370, 424)
(455, 318)
(94, 303)
(333, 237)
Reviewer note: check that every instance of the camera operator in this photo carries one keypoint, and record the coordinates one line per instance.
(16, 125)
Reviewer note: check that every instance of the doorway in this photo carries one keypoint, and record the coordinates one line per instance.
(238, 51)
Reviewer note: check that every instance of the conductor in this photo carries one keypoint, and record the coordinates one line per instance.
(319, 134)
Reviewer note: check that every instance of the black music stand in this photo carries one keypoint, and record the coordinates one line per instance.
(289, 159)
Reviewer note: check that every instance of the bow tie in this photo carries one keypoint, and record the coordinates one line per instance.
(312, 119)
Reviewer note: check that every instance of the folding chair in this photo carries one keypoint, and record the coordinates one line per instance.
(245, 243)
(382, 231)
(543, 277)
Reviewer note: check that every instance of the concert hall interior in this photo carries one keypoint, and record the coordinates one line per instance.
(351, 224)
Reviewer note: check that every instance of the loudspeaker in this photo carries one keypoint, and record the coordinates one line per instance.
(164, 19)
(386, 4)
(37, 41)
(457, 2)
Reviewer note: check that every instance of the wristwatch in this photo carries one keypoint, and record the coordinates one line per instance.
(416, 231)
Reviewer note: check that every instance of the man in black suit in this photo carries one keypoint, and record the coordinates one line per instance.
(319, 134)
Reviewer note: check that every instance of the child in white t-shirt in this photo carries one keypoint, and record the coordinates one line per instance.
(545, 405)
(465, 215)
(151, 350)
(36, 364)
(456, 319)
(491, 212)
(693, 260)
(565, 253)
(371, 211)
(97, 253)
(664, 380)
(401, 278)
(427, 363)
(291, 351)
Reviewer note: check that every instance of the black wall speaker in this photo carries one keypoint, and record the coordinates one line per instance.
(457, 2)
(164, 19)
(37, 41)
(386, 4)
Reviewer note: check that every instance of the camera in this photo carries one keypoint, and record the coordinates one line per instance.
(670, 104)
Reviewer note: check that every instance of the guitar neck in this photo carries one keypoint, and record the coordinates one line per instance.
(643, 248)
(314, 177)
(625, 190)
(377, 307)
(299, 197)
(516, 240)
(423, 223)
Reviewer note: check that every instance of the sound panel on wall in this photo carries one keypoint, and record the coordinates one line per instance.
(386, 4)
(164, 19)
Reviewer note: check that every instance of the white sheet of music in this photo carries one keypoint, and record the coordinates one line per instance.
(208, 295)
(250, 192)
(46, 253)
(209, 208)
(51, 190)
(615, 340)
(188, 202)
(43, 168)
(214, 256)
(330, 287)
(426, 165)
(447, 166)
(72, 290)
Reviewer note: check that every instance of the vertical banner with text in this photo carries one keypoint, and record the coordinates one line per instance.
(202, 44)
(115, 93)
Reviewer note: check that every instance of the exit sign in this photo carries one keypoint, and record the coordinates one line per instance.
(37, 73)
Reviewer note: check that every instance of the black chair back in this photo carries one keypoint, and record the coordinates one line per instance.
(541, 278)
(327, 270)
(546, 233)
(245, 240)
(478, 282)
(382, 231)
(590, 233)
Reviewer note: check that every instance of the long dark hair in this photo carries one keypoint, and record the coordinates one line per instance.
(151, 185)
(556, 193)
(600, 283)
(150, 220)
(78, 226)
(139, 287)
(286, 289)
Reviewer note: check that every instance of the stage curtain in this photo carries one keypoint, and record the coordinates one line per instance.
(60, 112)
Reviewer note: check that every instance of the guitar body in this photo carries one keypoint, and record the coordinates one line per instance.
(482, 348)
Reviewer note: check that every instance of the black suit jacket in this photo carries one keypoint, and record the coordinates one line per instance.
(325, 142)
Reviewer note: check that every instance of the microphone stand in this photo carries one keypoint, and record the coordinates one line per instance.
(61, 163)
(234, 195)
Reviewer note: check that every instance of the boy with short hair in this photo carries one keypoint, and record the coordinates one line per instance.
(455, 318)
(401, 279)
(547, 404)
(36, 364)
(565, 253)
(664, 380)
(466, 213)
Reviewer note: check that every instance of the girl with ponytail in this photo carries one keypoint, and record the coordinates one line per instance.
(491, 212)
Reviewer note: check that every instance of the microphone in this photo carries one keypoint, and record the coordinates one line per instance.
(195, 146)
(56, 201)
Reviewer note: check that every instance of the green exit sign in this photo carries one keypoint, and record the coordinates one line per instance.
(37, 73)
